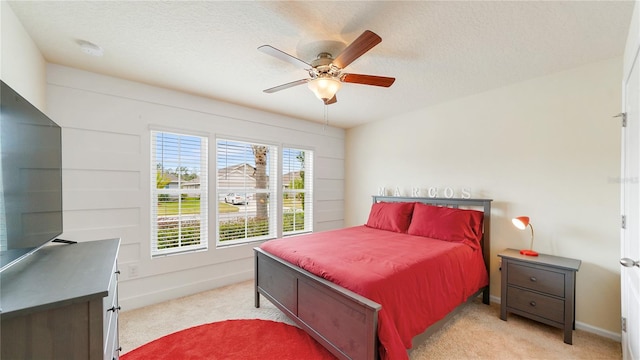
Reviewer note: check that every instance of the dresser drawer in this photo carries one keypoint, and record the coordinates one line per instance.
(110, 323)
(110, 302)
(111, 340)
(545, 281)
(544, 306)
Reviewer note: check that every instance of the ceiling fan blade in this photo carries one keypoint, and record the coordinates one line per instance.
(270, 50)
(359, 46)
(286, 86)
(367, 79)
(333, 100)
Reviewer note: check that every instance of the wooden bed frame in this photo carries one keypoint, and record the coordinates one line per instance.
(342, 321)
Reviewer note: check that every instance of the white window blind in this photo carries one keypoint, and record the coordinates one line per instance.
(297, 191)
(246, 190)
(179, 220)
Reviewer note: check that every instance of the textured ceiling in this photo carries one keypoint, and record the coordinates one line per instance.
(436, 50)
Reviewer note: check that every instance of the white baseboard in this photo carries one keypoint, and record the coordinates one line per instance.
(167, 294)
(581, 326)
(598, 331)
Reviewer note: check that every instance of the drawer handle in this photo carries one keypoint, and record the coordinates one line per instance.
(114, 308)
(118, 350)
(533, 279)
(532, 303)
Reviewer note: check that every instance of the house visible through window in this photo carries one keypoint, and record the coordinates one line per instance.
(297, 191)
(246, 191)
(178, 193)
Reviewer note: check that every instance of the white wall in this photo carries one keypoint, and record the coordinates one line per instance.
(547, 148)
(106, 176)
(21, 65)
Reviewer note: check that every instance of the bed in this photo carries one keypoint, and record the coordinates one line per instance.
(360, 306)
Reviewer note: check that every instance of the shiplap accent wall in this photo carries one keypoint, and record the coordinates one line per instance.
(106, 160)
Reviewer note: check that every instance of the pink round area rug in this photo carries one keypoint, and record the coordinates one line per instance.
(234, 339)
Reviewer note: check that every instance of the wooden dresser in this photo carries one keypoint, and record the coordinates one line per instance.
(541, 288)
(62, 303)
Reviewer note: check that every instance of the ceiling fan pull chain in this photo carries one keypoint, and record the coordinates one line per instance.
(326, 117)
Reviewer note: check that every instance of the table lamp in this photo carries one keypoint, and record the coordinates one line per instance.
(521, 222)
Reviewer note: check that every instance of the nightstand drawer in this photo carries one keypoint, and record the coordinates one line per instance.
(546, 281)
(536, 304)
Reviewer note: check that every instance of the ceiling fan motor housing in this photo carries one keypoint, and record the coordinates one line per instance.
(322, 67)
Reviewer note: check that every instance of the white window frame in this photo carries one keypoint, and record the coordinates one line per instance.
(178, 193)
(245, 189)
(307, 208)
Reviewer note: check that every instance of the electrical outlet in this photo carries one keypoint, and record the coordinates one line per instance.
(133, 271)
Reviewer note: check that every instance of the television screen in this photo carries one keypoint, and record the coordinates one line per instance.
(30, 178)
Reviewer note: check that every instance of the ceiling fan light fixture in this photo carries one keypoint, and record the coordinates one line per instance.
(325, 88)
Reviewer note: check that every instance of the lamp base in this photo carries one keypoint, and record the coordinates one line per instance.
(528, 252)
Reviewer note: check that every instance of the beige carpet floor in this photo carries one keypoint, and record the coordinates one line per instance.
(475, 333)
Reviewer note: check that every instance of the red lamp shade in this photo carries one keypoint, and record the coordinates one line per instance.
(521, 222)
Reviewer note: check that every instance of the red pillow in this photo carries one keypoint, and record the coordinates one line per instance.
(443, 223)
(392, 216)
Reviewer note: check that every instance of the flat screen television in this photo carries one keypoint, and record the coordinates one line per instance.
(30, 178)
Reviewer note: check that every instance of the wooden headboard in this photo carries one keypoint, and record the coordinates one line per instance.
(473, 204)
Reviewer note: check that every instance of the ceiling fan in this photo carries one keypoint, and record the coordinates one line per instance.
(325, 72)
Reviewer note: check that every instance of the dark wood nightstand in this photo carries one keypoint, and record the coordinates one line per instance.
(541, 288)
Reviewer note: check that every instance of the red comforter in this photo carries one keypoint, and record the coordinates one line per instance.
(417, 280)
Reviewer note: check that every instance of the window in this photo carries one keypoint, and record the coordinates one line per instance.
(297, 191)
(246, 191)
(178, 193)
